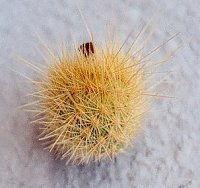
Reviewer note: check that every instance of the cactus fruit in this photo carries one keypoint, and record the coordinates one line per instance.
(90, 103)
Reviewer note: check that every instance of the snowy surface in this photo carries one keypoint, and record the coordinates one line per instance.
(165, 155)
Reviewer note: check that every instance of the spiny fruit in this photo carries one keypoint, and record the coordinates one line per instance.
(90, 103)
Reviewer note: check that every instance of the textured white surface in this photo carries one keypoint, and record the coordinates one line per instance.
(166, 154)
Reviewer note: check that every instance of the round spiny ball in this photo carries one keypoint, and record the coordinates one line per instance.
(91, 105)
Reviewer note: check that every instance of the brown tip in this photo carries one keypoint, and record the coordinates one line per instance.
(87, 48)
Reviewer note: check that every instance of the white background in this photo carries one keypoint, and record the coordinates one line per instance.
(165, 154)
